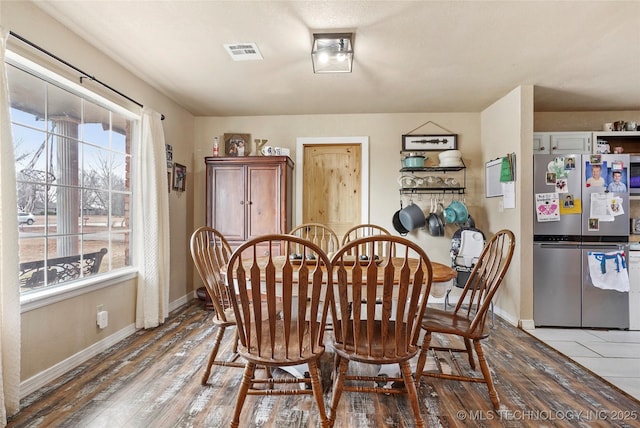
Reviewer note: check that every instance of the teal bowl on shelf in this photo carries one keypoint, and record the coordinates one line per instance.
(414, 161)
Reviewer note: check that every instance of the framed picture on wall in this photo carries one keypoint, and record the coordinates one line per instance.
(179, 177)
(430, 142)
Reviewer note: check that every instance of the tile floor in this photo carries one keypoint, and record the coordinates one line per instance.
(611, 354)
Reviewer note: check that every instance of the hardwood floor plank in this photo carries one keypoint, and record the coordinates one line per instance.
(152, 379)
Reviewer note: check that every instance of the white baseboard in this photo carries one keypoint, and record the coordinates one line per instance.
(527, 325)
(505, 316)
(44, 377)
(182, 301)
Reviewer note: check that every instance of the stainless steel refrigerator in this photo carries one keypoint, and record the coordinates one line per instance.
(585, 217)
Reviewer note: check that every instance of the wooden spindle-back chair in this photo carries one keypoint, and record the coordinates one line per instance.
(468, 319)
(210, 252)
(378, 306)
(319, 234)
(362, 231)
(281, 304)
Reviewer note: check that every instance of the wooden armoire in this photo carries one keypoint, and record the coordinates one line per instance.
(249, 196)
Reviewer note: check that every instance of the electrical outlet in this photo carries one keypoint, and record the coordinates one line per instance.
(102, 319)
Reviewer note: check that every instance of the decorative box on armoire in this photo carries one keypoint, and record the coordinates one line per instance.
(249, 196)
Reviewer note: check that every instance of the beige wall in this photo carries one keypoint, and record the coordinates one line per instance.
(58, 331)
(385, 141)
(505, 124)
(55, 332)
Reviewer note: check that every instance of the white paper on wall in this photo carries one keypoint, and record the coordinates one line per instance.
(509, 194)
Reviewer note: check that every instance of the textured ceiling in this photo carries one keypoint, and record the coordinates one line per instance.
(410, 56)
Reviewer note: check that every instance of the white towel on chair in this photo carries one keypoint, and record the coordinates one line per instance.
(609, 271)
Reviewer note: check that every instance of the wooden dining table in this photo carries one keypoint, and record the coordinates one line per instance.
(441, 272)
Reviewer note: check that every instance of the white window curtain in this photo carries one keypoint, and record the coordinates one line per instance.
(151, 224)
(9, 286)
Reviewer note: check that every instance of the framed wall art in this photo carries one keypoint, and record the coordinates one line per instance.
(237, 144)
(169, 151)
(430, 142)
(179, 177)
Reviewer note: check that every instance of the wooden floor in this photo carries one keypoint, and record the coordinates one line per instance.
(152, 379)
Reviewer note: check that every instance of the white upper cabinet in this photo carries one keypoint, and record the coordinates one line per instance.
(541, 143)
(562, 142)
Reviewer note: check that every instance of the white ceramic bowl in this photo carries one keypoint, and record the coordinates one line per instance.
(450, 154)
(451, 163)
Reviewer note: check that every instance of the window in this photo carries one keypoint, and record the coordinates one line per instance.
(73, 165)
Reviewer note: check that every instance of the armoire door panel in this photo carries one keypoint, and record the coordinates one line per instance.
(264, 211)
(229, 202)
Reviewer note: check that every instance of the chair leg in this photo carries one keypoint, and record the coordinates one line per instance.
(467, 344)
(249, 371)
(340, 374)
(235, 342)
(214, 354)
(422, 359)
(316, 386)
(405, 369)
(493, 394)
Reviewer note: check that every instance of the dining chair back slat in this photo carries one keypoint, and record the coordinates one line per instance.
(362, 231)
(319, 234)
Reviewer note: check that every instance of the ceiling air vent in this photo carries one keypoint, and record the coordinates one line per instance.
(244, 51)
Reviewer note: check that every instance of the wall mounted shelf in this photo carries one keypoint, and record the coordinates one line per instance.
(433, 179)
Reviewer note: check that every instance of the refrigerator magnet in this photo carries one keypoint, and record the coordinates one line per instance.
(551, 178)
(547, 207)
(594, 224)
(568, 201)
(570, 205)
(593, 172)
(570, 162)
(616, 206)
(561, 185)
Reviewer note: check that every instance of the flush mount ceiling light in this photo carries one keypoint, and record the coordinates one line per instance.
(332, 52)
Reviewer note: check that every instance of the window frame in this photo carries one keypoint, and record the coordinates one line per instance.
(66, 290)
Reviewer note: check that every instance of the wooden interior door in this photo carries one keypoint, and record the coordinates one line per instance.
(331, 189)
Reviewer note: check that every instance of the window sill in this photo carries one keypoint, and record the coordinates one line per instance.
(41, 298)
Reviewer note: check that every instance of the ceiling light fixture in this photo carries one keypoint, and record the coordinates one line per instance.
(332, 52)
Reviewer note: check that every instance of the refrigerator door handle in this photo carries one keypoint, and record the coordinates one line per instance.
(615, 247)
(561, 246)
